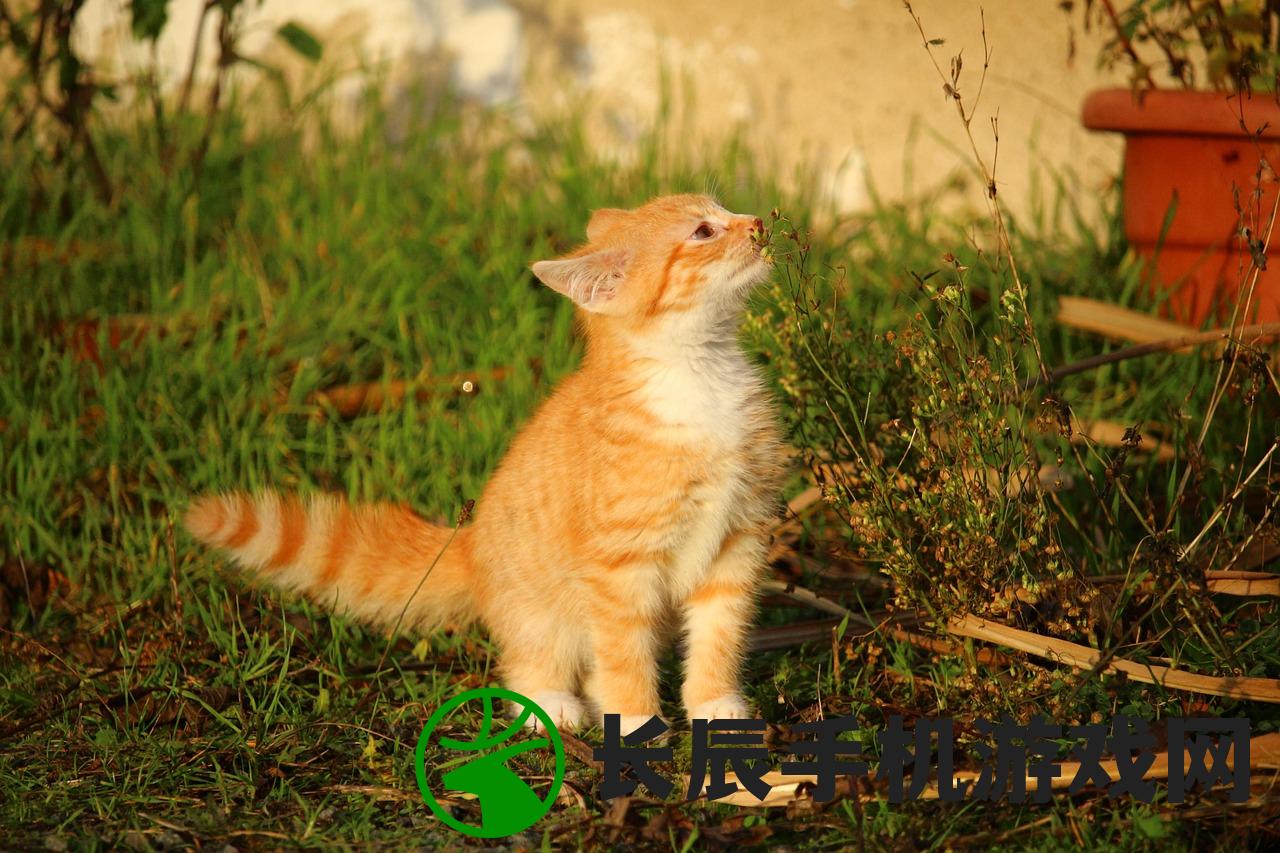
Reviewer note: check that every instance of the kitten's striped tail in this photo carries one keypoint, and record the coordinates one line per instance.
(365, 560)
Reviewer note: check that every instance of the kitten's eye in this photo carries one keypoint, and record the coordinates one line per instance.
(705, 231)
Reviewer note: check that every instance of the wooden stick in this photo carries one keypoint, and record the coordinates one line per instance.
(1083, 657)
(1112, 321)
(811, 599)
(774, 637)
(1246, 586)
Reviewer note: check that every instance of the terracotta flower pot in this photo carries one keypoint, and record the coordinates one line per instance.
(1186, 155)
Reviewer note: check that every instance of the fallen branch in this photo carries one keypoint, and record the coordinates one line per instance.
(1083, 657)
(809, 598)
(772, 637)
(1255, 333)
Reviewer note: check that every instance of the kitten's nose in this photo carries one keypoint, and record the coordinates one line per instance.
(757, 224)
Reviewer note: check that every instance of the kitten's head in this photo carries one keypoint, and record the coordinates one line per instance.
(680, 257)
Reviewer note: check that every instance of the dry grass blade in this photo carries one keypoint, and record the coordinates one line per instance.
(377, 792)
(1083, 657)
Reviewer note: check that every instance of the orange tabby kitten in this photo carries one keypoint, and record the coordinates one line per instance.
(635, 501)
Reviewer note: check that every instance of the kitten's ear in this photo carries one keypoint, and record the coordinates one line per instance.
(603, 220)
(591, 280)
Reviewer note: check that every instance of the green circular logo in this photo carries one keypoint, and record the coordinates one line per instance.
(507, 804)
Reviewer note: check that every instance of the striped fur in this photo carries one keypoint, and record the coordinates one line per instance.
(364, 560)
(633, 505)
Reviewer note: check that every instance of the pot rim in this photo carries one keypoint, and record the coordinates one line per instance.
(1177, 112)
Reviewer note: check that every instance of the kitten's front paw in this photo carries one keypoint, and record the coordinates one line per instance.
(728, 707)
(564, 709)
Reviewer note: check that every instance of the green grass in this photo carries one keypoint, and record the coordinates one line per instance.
(149, 697)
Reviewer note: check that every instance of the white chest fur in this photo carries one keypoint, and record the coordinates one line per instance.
(703, 392)
(713, 515)
(704, 398)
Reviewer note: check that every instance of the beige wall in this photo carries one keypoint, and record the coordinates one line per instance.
(846, 84)
(843, 85)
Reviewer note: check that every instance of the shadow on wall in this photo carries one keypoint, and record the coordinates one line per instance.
(830, 88)
(480, 42)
